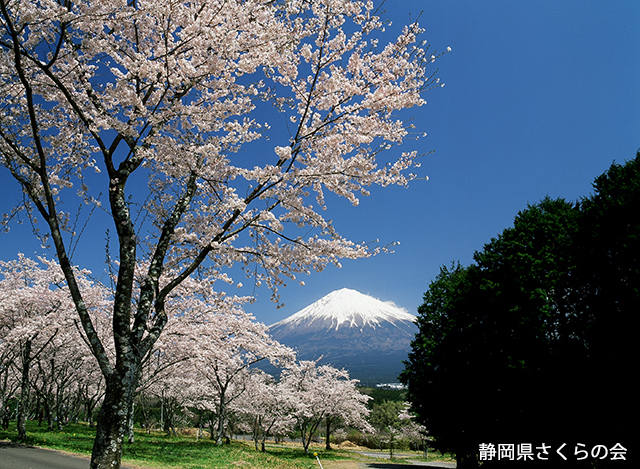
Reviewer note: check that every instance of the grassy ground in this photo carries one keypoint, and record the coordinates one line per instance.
(157, 451)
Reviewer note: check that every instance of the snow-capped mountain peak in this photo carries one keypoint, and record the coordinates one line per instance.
(346, 308)
(350, 330)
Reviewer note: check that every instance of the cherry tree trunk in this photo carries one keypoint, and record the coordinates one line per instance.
(222, 415)
(23, 403)
(220, 430)
(113, 420)
(48, 413)
(306, 438)
(131, 436)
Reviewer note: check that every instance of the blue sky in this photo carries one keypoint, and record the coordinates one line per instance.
(540, 98)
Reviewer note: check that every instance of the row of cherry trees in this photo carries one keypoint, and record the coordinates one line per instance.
(203, 362)
(45, 368)
(305, 397)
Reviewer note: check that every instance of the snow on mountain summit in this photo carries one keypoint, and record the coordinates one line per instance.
(346, 308)
(350, 330)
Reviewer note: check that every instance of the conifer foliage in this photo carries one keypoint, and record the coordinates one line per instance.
(532, 342)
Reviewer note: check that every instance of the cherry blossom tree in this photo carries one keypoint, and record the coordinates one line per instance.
(346, 405)
(57, 382)
(213, 343)
(223, 342)
(323, 392)
(8, 384)
(33, 313)
(101, 96)
(268, 404)
(39, 327)
(411, 430)
(304, 397)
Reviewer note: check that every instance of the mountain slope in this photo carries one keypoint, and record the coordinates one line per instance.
(348, 329)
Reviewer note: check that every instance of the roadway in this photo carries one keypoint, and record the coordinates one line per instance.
(15, 456)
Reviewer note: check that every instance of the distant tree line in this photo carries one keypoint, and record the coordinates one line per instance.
(534, 342)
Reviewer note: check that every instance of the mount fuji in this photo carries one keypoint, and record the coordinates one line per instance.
(351, 330)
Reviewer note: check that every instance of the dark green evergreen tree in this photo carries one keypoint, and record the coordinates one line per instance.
(440, 370)
(533, 343)
(607, 294)
(489, 333)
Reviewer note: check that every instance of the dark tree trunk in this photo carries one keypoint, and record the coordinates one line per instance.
(146, 421)
(23, 403)
(220, 429)
(113, 420)
(48, 413)
(39, 412)
(200, 423)
(89, 405)
(212, 425)
(222, 414)
(131, 435)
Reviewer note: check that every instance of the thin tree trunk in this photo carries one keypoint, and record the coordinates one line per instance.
(39, 412)
(49, 413)
(212, 425)
(265, 434)
(24, 393)
(89, 405)
(222, 410)
(200, 418)
(220, 429)
(306, 439)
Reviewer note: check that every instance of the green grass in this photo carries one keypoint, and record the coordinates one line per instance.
(159, 451)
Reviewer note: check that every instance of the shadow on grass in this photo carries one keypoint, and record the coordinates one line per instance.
(390, 465)
(291, 453)
(9, 444)
(387, 465)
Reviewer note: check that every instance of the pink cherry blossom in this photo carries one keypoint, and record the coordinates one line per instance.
(101, 95)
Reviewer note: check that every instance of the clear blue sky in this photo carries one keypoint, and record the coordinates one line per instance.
(540, 98)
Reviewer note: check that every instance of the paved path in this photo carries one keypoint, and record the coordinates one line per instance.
(15, 456)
